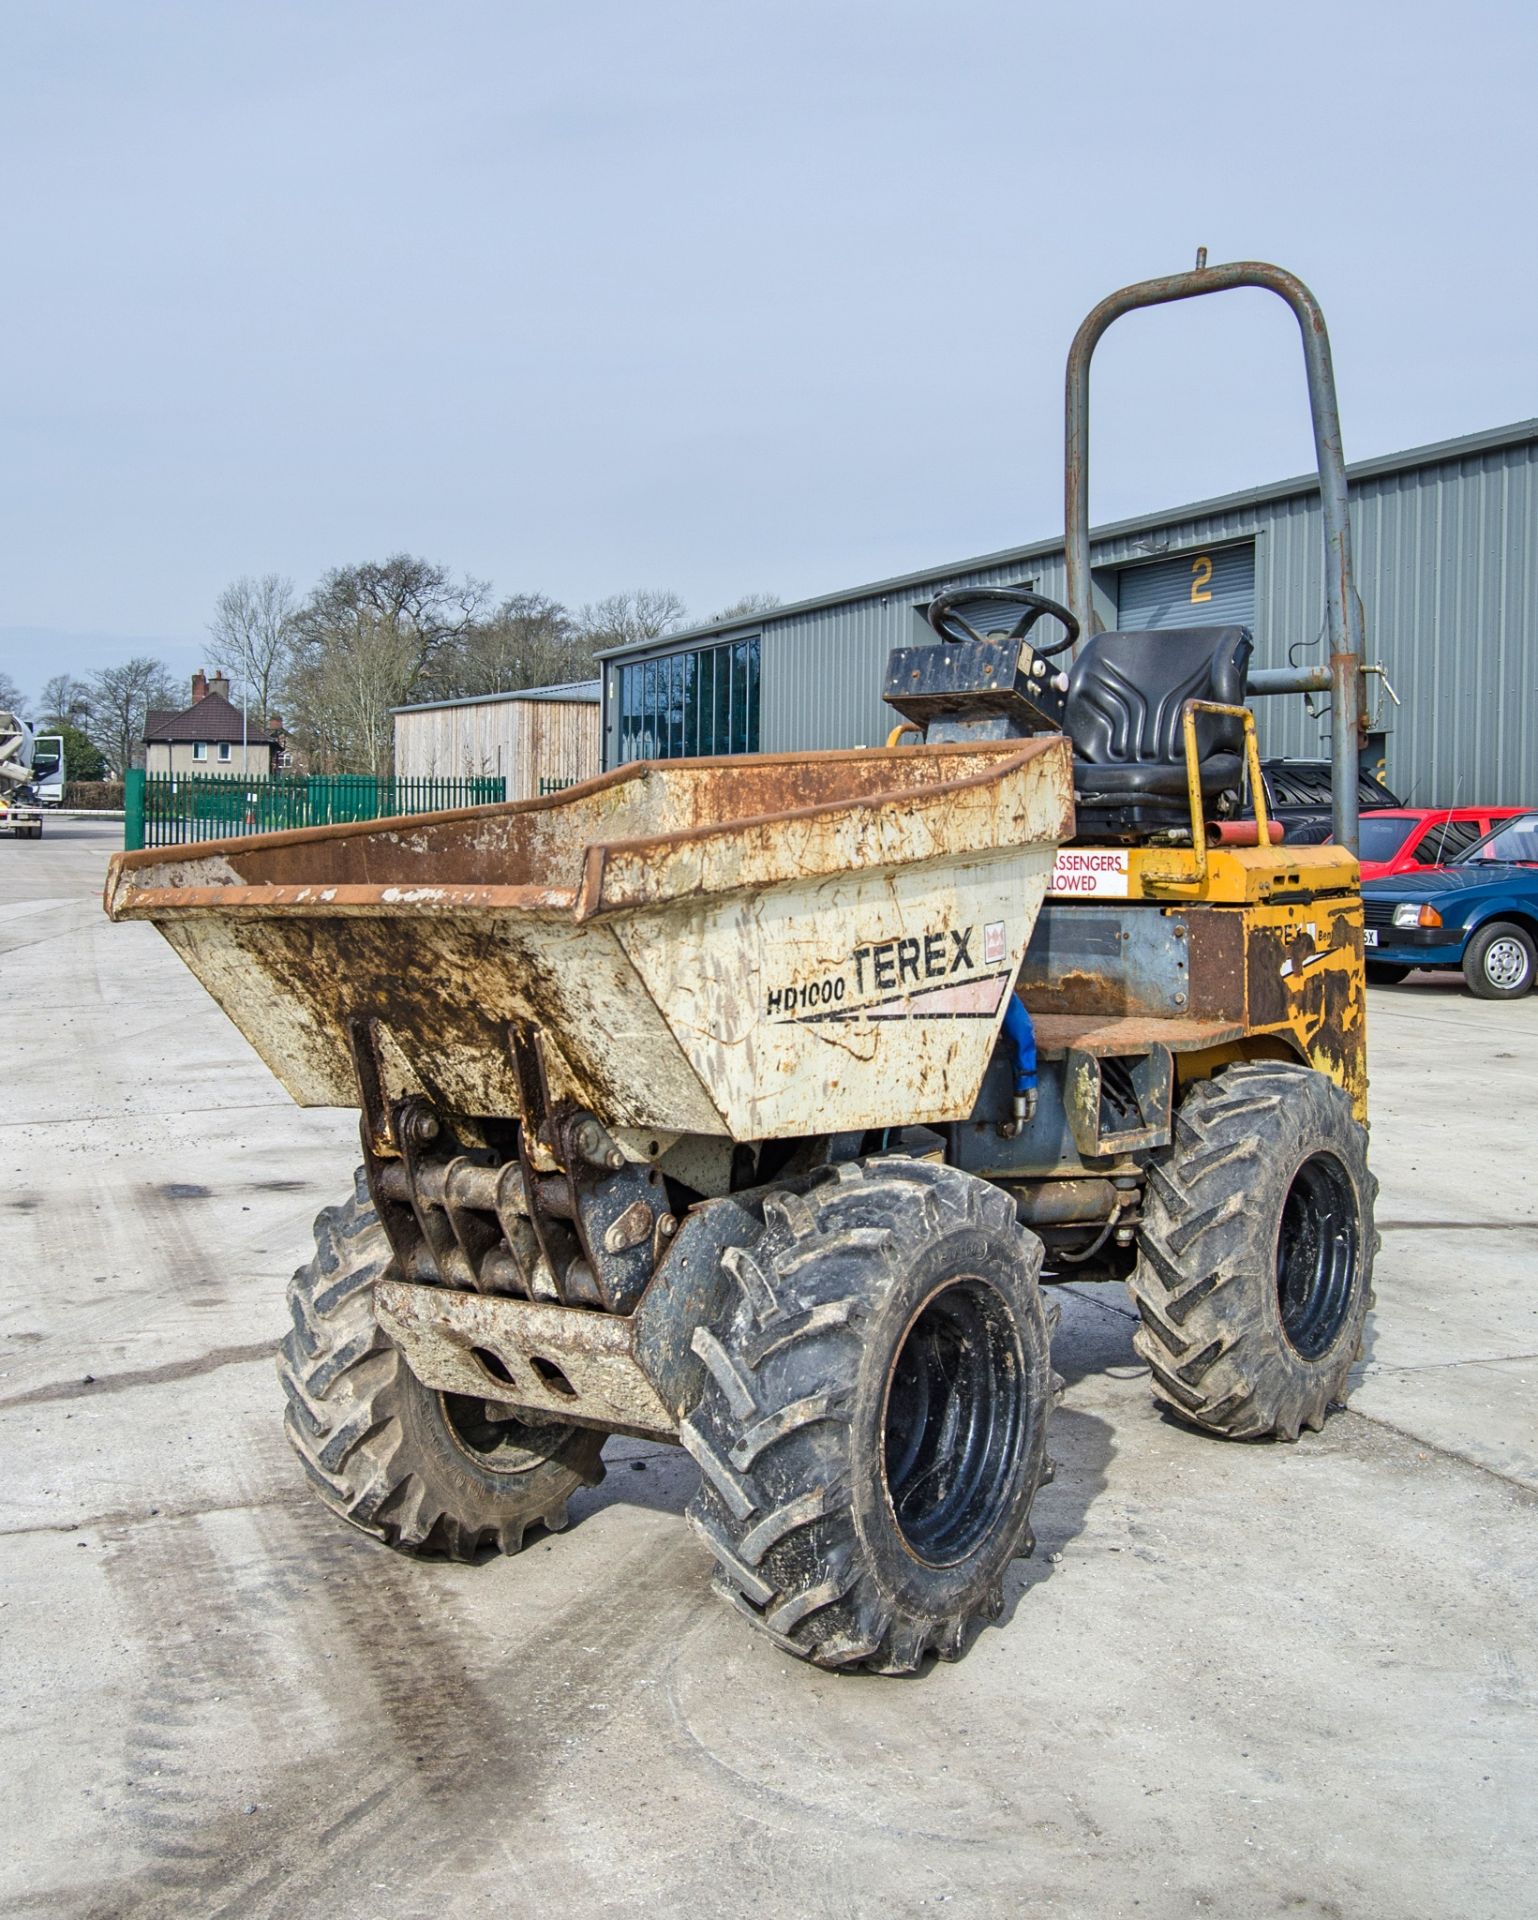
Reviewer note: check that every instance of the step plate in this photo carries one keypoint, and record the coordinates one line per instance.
(560, 1362)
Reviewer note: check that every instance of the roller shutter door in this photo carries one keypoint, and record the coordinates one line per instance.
(1208, 588)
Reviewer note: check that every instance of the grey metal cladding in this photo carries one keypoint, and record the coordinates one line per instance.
(1446, 552)
(1447, 567)
(829, 663)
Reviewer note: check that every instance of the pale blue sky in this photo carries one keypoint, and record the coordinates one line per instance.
(712, 296)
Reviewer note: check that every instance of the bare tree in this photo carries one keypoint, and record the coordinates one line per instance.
(66, 701)
(418, 599)
(253, 636)
(646, 613)
(746, 607)
(10, 696)
(369, 638)
(121, 696)
(341, 692)
(529, 641)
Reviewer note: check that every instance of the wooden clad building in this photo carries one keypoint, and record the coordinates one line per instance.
(539, 739)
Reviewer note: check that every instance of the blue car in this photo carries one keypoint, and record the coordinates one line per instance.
(1480, 913)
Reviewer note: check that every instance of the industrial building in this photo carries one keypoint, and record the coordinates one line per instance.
(538, 739)
(1446, 556)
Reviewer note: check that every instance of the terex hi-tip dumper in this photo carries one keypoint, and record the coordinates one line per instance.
(747, 1102)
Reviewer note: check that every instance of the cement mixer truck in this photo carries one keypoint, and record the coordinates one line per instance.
(21, 812)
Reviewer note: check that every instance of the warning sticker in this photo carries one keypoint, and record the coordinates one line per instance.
(1095, 871)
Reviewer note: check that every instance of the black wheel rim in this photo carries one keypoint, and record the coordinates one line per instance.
(954, 1426)
(497, 1441)
(1317, 1251)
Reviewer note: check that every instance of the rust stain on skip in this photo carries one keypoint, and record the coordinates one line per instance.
(610, 918)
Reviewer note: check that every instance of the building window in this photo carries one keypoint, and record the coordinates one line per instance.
(224, 749)
(200, 749)
(684, 705)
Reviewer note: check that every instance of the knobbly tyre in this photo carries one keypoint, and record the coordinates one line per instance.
(747, 1103)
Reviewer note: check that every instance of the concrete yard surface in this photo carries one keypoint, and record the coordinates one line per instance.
(1244, 1680)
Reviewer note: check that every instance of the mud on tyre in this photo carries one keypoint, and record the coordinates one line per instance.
(425, 1472)
(873, 1427)
(1254, 1272)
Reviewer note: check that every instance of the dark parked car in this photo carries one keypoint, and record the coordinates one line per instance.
(1298, 794)
(1479, 913)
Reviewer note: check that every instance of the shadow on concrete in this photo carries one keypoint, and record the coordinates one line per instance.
(1095, 1333)
(1083, 1446)
(640, 1473)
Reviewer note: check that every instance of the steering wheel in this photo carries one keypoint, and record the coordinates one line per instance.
(945, 620)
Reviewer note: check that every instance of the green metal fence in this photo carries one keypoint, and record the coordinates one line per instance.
(172, 809)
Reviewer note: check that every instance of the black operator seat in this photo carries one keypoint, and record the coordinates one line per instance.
(1126, 696)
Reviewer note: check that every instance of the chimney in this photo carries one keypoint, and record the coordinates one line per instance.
(219, 685)
(199, 687)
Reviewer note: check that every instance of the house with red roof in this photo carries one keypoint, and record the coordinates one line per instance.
(210, 736)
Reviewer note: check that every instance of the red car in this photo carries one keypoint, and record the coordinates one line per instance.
(1406, 839)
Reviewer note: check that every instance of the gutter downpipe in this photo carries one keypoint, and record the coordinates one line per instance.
(1343, 614)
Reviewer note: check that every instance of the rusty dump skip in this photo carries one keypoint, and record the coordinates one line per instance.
(752, 947)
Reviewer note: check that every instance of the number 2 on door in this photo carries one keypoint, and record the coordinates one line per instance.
(1201, 577)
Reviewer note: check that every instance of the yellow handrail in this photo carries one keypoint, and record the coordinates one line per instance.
(1196, 875)
(903, 726)
(1194, 779)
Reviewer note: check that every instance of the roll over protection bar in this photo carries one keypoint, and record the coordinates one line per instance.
(1343, 614)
